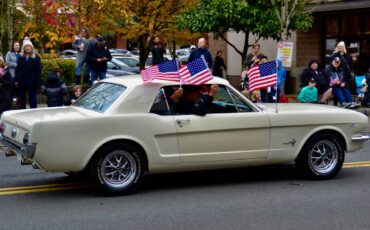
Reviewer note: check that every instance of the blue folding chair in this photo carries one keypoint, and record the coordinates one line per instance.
(358, 80)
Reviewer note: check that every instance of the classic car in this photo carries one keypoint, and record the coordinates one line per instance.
(122, 128)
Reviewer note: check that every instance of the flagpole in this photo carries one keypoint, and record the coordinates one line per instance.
(276, 90)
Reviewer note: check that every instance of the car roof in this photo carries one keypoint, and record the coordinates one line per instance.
(136, 80)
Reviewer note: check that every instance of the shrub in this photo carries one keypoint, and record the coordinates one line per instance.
(66, 65)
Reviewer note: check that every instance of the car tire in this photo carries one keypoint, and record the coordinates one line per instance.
(117, 169)
(321, 157)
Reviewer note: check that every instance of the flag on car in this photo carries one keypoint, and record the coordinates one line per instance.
(262, 76)
(196, 72)
(167, 71)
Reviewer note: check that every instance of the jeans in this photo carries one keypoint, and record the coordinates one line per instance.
(78, 69)
(32, 97)
(343, 95)
(95, 75)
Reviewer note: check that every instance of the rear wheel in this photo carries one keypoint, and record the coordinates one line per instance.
(117, 169)
(321, 157)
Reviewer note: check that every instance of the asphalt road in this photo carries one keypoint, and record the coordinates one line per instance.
(252, 198)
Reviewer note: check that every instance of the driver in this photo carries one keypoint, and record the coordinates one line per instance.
(193, 101)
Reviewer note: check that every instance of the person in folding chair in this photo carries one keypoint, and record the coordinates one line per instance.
(339, 83)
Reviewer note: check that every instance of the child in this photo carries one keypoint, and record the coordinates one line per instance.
(309, 93)
(77, 92)
(54, 89)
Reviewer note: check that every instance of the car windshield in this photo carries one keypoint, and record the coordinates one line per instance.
(100, 97)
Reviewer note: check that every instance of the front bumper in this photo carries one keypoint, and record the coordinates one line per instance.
(23, 152)
(361, 137)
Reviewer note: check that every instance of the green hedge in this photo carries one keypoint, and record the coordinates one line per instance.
(66, 65)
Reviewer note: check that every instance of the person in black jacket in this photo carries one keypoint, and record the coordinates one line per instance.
(28, 74)
(219, 64)
(322, 80)
(202, 51)
(54, 89)
(98, 57)
(157, 51)
(6, 82)
(193, 101)
(339, 83)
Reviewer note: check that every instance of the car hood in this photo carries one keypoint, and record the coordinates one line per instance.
(26, 118)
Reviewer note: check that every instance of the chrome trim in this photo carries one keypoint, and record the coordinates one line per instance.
(25, 151)
(361, 137)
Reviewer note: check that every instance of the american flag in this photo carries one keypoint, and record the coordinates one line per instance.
(196, 72)
(262, 76)
(167, 71)
(334, 79)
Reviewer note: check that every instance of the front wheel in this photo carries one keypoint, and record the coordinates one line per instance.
(117, 169)
(321, 157)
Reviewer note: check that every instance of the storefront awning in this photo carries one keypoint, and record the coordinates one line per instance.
(340, 6)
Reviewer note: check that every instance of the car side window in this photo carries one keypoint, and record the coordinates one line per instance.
(226, 101)
(160, 105)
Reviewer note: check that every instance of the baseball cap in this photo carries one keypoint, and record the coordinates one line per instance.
(336, 59)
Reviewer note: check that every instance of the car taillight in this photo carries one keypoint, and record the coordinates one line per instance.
(26, 138)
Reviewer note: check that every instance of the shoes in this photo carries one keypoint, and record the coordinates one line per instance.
(354, 105)
(346, 105)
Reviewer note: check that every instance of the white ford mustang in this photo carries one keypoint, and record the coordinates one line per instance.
(122, 128)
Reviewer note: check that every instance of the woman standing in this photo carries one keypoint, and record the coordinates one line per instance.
(12, 57)
(28, 74)
(6, 83)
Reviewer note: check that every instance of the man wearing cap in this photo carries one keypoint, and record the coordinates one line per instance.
(98, 57)
(193, 101)
(309, 93)
(339, 83)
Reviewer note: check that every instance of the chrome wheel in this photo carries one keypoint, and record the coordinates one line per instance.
(118, 169)
(323, 156)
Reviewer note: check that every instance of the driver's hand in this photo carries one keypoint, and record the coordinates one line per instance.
(214, 90)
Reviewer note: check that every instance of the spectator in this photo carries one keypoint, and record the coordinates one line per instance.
(12, 57)
(98, 57)
(219, 65)
(201, 51)
(339, 84)
(28, 74)
(81, 44)
(76, 93)
(253, 58)
(6, 82)
(346, 60)
(157, 51)
(322, 80)
(309, 93)
(54, 89)
(281, 77)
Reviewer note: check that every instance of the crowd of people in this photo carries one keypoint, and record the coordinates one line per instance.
(20, 74)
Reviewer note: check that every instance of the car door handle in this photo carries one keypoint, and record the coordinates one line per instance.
(182, 122)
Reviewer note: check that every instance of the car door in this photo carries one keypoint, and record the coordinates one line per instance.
(232, 130)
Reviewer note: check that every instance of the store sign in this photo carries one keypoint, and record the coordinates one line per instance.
(285, 53)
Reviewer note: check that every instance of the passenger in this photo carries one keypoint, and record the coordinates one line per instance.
(76, 93)
(315, 71)
(309, 93)
(194, 101)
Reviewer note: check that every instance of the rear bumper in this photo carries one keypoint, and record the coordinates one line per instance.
(22, 151)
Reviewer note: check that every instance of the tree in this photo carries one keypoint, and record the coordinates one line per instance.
(248, 16)
(143, 20)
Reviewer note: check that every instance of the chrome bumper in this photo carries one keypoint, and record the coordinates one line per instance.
(24, 152)
(361, 137)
